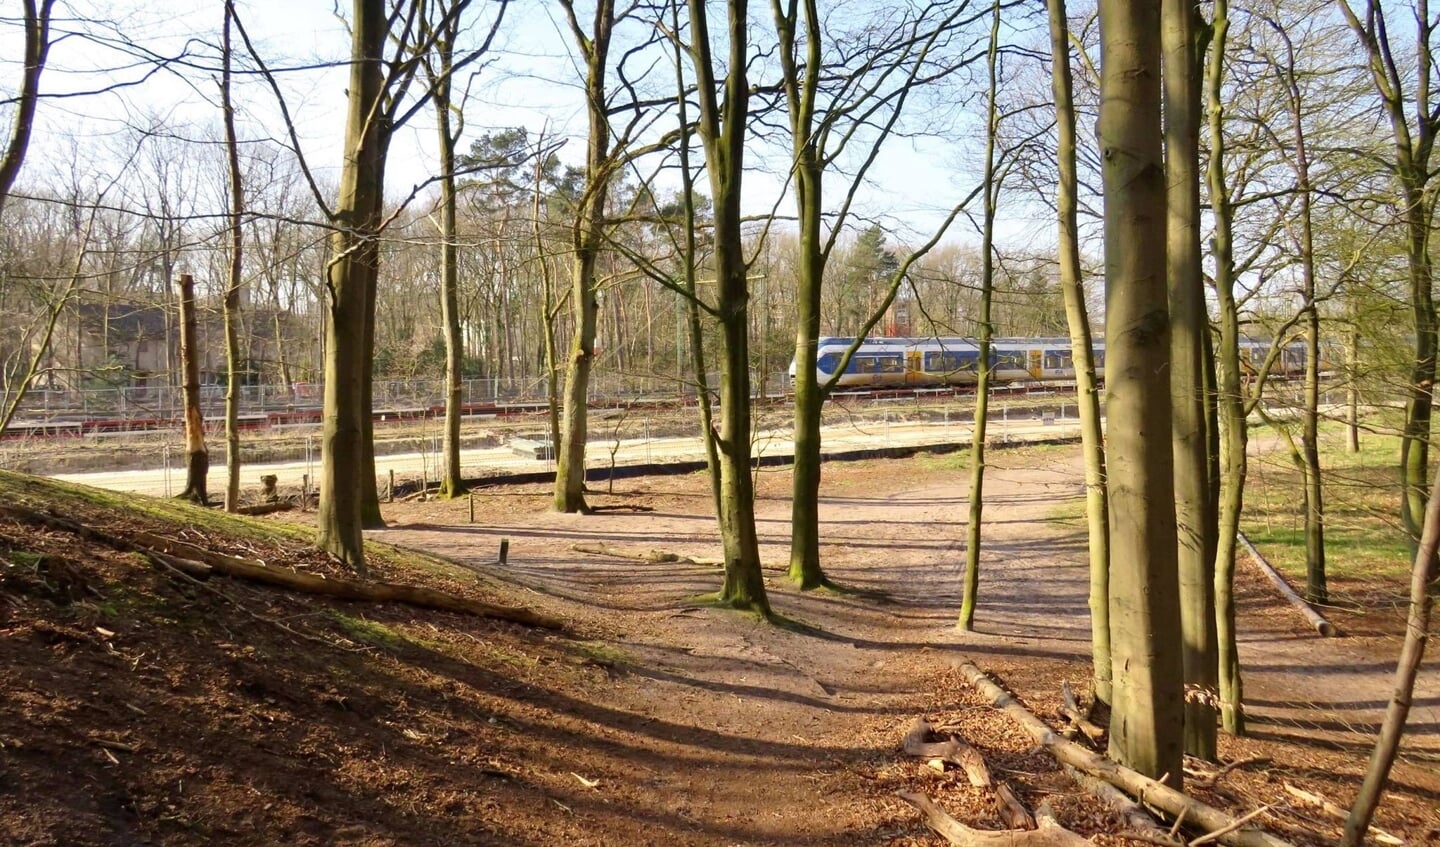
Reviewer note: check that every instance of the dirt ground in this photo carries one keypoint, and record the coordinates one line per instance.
(134, 710)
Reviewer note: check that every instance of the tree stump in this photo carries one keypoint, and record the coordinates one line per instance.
(269, 487)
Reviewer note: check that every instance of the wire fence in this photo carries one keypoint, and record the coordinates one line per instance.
(156, 403)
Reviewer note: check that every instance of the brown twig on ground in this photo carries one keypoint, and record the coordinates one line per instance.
(1210, 779)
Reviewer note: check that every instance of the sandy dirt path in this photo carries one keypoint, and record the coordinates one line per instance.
(754, 733)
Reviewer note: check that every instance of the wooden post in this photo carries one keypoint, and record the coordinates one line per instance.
(504, 550)
(392, 485)
(472, 507)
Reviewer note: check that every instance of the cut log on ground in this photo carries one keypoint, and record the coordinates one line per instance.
(1049, 834)
(1314, 618)
(952, 750)
(265, 508)
(1146, 790)
(654, 557)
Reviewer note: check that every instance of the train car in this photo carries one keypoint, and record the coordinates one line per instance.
(897, 362)
(887, 362)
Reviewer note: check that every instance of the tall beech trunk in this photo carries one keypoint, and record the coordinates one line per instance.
(1082, 350)
(233, 357)
(1229, 390)
(1352, 387)
(197, 456)
(588, 238)
(452, 483)
(1307, 455)
(722, 125)
(1148, 710)
(689, 258)
(1188, 323)
(987, 332)
(351, 273)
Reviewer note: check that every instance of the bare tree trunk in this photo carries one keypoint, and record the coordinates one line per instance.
(197, 457)
(350, 278)
(689, 258)
(1230, 397)
(1352, 390)
(987, 332)
(1147, 720)
(589, 233)
(232, 288)
(1417, 627)
(1082, 352)
(1188, 323)
(722, 127)
(452, 484)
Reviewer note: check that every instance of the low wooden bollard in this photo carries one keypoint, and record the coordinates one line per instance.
(504, 550)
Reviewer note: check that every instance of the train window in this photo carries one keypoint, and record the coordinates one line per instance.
(950, 360)
(1008, 359)
(887, 364)
(1056, 360)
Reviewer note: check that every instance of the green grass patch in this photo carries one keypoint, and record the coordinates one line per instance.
(602, 652)
(61, 496)
(1363, 536)
(370, 632)
(955, 460)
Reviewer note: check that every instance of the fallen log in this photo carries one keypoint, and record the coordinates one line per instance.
(201, 563)
(1049, 834)
(1133, 814)
(265, 508)
(1314, 618)
(198, 570)
(1146, 790)
(654, 557)
(348, 589)
(952, 750)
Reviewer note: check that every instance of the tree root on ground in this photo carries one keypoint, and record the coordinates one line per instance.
(1049, 834)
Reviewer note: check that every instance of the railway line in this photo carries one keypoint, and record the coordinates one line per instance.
(63, 425)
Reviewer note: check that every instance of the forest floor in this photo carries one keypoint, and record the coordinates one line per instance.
(138, 709)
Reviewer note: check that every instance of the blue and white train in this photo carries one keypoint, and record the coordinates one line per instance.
(894, 362)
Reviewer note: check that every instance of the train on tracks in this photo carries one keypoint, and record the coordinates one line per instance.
(895, 362)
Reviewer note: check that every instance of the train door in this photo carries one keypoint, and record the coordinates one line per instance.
(1037, 364)
(914, 367)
